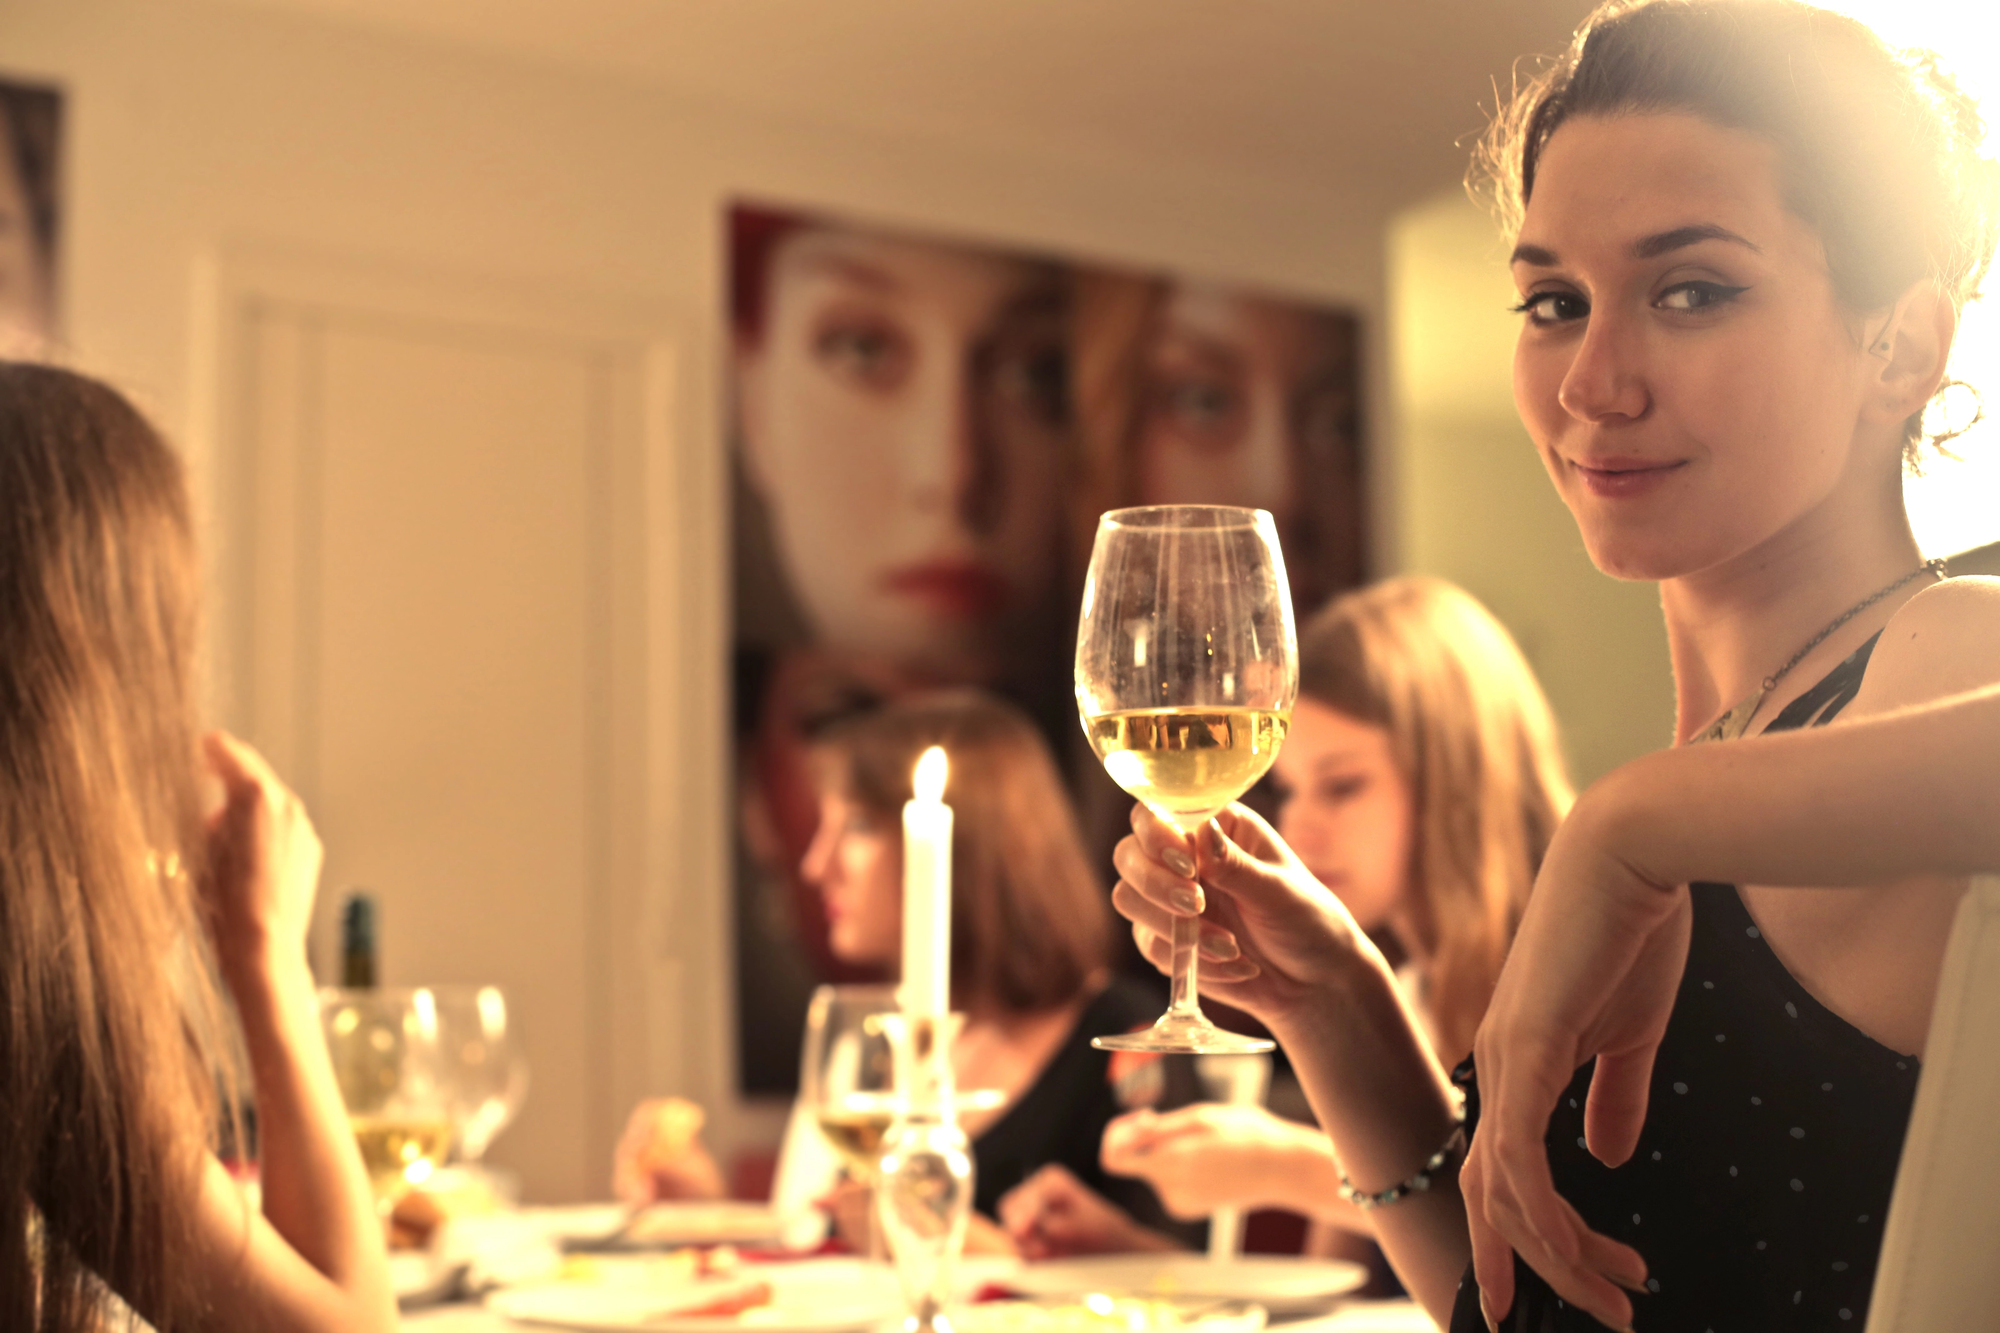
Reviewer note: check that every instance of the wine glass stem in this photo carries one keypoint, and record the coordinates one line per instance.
(1187, 940)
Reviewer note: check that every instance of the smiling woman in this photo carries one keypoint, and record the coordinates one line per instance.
(1743, 231)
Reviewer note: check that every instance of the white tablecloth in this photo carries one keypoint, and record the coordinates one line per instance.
(1353, 1317)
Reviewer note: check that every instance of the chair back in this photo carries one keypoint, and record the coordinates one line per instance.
(1940, 1264)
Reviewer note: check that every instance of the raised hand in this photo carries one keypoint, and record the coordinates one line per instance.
(1272, 934)
(1592, 975)
(264, 860)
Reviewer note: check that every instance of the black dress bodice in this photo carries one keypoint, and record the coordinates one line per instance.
(1773, 1131)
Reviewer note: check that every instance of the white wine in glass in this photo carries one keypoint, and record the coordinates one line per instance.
(384, 1048)
(848, 1079)
(1186, 672)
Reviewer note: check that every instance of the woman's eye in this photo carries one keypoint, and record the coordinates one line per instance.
(1337, 791)
(1037, 379)
(1205, 409)
(1698, 295)
(1553, 308)
(870, 354)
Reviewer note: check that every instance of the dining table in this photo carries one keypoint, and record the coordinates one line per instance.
(478, 1265)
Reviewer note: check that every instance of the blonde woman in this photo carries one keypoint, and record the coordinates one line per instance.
(1421, 782)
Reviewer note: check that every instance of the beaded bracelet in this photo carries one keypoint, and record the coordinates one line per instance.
(1416, 1184)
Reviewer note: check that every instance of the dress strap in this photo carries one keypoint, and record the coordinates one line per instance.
(1835, 690)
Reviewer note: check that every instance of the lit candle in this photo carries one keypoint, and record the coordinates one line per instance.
(927, 890)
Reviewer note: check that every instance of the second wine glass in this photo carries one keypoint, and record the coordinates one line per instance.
(1186, 673)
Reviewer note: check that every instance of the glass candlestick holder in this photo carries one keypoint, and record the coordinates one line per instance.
(923, 1194)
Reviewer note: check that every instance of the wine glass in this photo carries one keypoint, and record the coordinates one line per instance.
(484, 1070)
(1186, 671)
(384, 1048)
(848, 1079)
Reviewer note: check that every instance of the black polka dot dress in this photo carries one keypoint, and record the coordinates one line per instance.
(1757, 1192)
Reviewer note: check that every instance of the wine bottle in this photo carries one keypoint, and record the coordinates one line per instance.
(359, 967)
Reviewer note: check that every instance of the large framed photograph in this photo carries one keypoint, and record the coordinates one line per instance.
(924, 433)
(30, 217)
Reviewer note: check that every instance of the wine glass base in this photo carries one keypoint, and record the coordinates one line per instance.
(1185, 1034)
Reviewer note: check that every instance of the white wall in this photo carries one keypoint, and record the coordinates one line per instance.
(1476, 507)
(198, 129)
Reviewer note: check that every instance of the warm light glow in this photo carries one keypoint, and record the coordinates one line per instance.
(492, 1013)
(1955, 505)
(932, 772)
(424, 1004)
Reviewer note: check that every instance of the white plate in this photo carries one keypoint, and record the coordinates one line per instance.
(1129, 1315)
(1282, 1284)
(808, 1296)
(719, 1223)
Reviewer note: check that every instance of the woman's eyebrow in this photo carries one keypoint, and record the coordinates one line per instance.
(1652, 247)
(856, 271)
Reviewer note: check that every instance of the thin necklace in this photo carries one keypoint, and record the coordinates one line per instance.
(1734, 722)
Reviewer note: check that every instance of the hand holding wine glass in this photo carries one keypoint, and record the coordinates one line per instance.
(1186, 672)
(1273, 937)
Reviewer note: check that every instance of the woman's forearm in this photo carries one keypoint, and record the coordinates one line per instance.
(1907, 793)
(1386, 1105)
(315, 1191)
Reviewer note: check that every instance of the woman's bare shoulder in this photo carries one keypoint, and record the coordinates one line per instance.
(1943, 641)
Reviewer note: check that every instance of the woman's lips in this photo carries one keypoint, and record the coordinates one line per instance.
(1620, 478)
(963, 591)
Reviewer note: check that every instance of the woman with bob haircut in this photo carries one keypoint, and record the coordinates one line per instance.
(1742, 233)
(122, 893)
(1030, 938)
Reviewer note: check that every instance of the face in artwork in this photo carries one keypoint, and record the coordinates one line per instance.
(1237, 388)
(904, 418)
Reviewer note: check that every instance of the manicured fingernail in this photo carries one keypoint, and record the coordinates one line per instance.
(1186, 901)
(1178, 861)
(1218, 841)
(1487, 1315)
(1219, 948)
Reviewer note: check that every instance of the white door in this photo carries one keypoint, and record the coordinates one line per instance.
(449, 566)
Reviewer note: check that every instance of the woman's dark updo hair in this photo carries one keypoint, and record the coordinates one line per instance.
(1879, 149)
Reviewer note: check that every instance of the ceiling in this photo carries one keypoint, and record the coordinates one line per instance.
(1301, 93)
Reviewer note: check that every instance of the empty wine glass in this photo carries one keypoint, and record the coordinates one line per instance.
(484, 1070)
(1186, 672)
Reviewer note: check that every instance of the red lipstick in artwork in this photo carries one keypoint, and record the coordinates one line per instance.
(1623, 478)
(961, 590)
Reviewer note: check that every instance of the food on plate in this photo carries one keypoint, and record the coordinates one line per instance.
(415, 1221)
(735, 1299)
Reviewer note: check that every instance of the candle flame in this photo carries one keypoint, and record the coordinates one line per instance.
(929, 780)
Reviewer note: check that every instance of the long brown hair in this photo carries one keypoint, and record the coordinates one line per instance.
(108, 1102)
(1475, 740)
(1030, 923)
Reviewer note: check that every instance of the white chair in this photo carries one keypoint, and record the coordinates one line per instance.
(1940, 1265)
